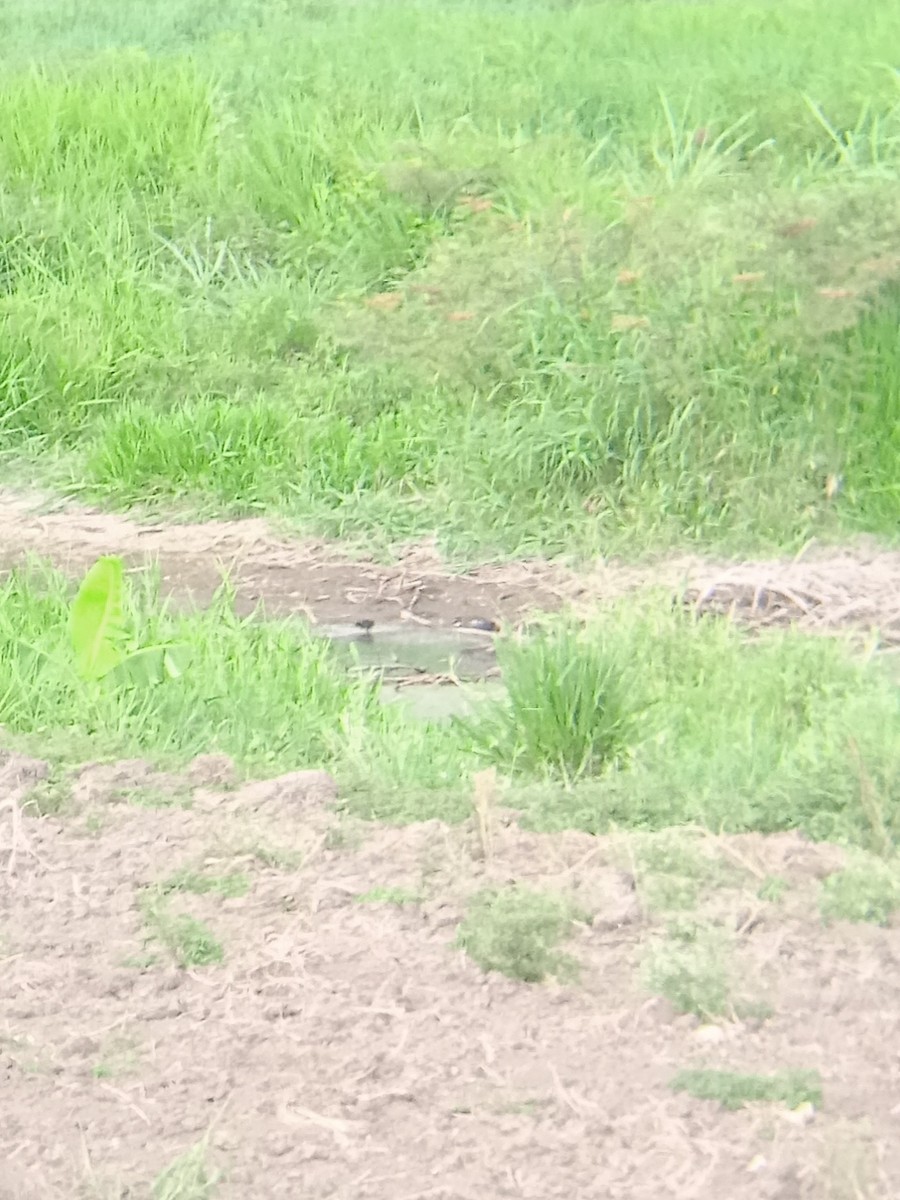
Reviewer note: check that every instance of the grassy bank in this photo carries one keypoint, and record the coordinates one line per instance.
(644, 719)
(539, 277)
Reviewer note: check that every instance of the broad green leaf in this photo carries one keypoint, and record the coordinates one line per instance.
(153, 664)
(96, 621)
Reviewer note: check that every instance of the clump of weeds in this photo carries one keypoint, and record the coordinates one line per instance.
(689, 968)
(734, 1091)
(518, 932)
(866, 890)
(570, 708)
(190, 942)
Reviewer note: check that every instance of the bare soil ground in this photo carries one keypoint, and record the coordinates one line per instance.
(346, 1048)
(822, 590)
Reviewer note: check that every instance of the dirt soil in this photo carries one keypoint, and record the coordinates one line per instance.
(346, 1048)
(824, 589)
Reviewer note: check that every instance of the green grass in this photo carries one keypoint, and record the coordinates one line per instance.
(203, 209)
(518, 931)
(229, 885)
(867, 890)
(396, 896)
(189, 941)
(734, 1091)
(728, 732)
(571, 706)
(673, 873)
(690, 967)
(187, 1177)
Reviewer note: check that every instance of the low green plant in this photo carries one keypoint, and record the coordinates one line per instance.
(866, 890)
(673, 871)
(398, 896)
(187, 1177)
(690, 968)
(101, 643)
(772, 889)
(734, 1091)
(269, 693)
(190, 942)
(517, 932)
(229, 885)
(571, 707)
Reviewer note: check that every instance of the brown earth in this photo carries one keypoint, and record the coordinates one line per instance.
(346, 1048)
(824, 589)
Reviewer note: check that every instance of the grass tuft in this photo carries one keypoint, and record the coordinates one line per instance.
(188, 1177)
(570, 707)
(517, 932)
(867, 890)
(190, 942)
(690, 969)
(734, 1091)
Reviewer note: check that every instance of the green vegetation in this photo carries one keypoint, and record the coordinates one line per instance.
(674, 873)
(535, 277)
(517, 931)
(188, 940)
(690, 968)
(187, 1178)
(240, 671)
(570, 708)
(231, 884)
(867, 890)
(396, 896)
(772, 889)
(538, 276)
(734, 1091)
(718, 730)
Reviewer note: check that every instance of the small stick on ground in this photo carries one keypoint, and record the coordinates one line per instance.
(18, 840)
(484, 798)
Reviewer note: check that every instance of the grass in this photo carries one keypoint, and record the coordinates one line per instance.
(673, 873)
(690, 968)
(571, 706)
(199, 883)
(734, 1091)
(188, 1177)
(867, 890)
(527, 279)
(712, 728)
(396, 896)
(190, 942)
(517, 932)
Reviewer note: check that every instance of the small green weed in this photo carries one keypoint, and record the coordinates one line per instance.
(49, 797)
(673, 872)
(389, 895)
(190, 942)
(689, 968)
(571, 706)
(867, 890)
(734, 1091)
(273, 857)
(517, 931)
(120, 1058)
(187, 1178)
(231, 884)
(772, 888)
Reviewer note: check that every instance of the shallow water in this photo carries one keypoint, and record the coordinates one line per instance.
(405, 654)
(466, 653)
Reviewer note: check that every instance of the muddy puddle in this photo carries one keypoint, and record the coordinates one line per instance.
(435, 674)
